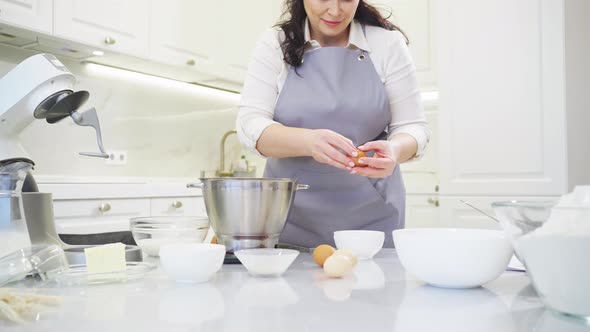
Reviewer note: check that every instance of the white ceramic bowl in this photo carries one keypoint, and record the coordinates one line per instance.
(453, 258)
(191, 262)
(364, 244)
(150, 233)
(267, 262)
(559, 267)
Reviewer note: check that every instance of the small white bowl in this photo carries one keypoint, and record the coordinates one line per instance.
(266, 262)
(191, 263)
(364, 244)
(453, 258)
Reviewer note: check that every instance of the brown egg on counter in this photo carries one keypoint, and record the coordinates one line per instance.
(321, 253)
(361, 154)
(214, 239)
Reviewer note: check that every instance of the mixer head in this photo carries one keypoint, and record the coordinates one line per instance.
(60, 105)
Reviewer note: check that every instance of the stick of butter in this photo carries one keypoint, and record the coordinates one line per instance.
(106, 259)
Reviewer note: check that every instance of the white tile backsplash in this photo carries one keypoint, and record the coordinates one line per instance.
(168, 129)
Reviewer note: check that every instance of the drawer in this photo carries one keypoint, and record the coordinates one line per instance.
(178, 206)
(90, 216)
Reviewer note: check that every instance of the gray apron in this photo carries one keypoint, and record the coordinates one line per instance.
(338, 89)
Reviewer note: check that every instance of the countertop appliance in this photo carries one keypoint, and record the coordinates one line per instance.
(40, 87)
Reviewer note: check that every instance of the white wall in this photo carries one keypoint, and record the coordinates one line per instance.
(169, 129)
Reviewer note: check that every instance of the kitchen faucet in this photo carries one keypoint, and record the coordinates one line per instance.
(221, 172)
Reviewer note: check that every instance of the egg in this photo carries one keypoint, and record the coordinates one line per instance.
(361, 154)
(214, 239)
(337, 266)
(347, 253)
(321, 253)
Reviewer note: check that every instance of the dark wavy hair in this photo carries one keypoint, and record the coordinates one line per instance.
(293, 26)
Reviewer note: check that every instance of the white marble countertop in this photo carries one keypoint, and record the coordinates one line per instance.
(123, 187)
(378, 296)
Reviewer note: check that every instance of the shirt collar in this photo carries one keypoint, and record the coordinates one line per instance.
(356, 38)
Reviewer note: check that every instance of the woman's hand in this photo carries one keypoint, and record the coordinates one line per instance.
(382, 164)
(329, 147)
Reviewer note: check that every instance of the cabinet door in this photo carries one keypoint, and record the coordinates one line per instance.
(184, 33)
(416, 19)
(96, 215)
(422, 211)
(213, 38)
(178, 206)
(240, 27)
(120, 26)
(502, 106)
(29, 14)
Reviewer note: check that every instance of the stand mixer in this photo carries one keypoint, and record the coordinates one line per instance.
(40, 87)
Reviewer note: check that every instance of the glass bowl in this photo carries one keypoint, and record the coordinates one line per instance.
(78, 274)
(518, 218)
(553, 242)
(36, 261)
(152, 232)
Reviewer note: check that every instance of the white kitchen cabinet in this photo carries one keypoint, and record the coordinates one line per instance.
(512, 108)
(178, 206)
(97, 205)
(97, 215)
(416, 19)
(182, 35)
(422, 211)
(120, 26)
(29, 14)
(241, 25)
(210, 38)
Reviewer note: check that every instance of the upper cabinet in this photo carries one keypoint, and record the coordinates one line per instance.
(120, 26)
(202, 41)
(182, 34)
(213, 38)
(29, 14)
(241, 25)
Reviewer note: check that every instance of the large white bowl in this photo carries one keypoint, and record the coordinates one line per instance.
(363, 244)
(453, 258)
(559, 267)
(266, 262)
(191, 263)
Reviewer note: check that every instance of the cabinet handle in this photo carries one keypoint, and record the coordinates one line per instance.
(104, 207)
(433, 201)
(177, 204)
(109, 41)
(191, 62)
(436, 188)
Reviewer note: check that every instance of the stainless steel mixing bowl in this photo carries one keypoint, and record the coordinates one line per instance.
(248, 212)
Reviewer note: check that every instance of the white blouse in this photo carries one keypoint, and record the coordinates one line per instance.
(267, 73)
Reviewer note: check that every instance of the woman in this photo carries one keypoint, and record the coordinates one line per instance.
(335, 75)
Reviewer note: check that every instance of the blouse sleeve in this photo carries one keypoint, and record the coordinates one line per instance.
(401, 85)
(260, 92)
